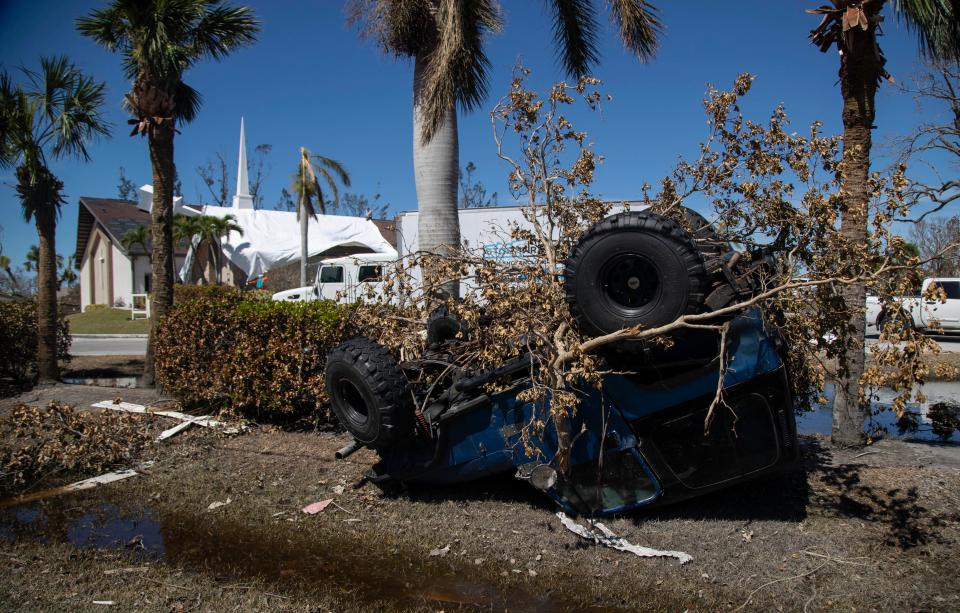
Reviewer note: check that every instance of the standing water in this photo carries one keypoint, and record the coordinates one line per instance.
(937, 418)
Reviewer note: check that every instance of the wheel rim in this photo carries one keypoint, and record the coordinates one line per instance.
(630, 281)
(353, 400)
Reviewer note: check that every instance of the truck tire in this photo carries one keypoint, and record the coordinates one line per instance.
(635, 268)
(902, 322)
(369, 393)
(705, 236)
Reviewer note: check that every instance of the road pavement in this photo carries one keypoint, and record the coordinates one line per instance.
(104, 344)
(137, 345)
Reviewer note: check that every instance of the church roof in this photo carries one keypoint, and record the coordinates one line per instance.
(117, 217)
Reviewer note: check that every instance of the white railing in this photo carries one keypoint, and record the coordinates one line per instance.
(139, 306)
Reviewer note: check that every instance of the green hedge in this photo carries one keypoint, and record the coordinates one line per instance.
(233, 351)
(18, 340)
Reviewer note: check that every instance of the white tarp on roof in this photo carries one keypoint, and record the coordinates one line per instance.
(272, 238)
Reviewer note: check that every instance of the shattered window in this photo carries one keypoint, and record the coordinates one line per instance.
(619, 480)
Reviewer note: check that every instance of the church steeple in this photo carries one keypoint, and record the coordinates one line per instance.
(242, 198)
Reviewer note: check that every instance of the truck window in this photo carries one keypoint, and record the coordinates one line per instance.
(950, 288)
(331, 274)
(369, 273)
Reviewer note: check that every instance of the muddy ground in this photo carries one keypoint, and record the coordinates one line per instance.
(869, 531)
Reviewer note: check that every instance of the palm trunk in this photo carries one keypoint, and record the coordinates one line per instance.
(436, 165)
(859, 70)
(161, 227)
(303, 243)
(14, 284)
(47, 367)
(216, 258)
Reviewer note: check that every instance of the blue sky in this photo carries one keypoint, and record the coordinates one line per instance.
(310, 81)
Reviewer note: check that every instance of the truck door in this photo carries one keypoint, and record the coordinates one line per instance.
(330, 281)
(370, 276)
(947, 313)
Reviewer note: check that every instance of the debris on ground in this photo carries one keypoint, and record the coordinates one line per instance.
(602, 535)
(440, 552)
(56, 439)
(85, 484)
(316, 507)
(203, 420)
(219, 503)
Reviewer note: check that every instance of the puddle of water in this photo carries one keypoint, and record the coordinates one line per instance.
(936, 419)
(121, 382)
(279, 556)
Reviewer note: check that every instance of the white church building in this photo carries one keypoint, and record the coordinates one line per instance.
(110, 274)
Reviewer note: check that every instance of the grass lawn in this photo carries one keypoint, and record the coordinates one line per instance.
(107, 321)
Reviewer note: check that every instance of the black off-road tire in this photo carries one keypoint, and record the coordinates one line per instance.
(635, 268)
(369, 393)
(711, 248)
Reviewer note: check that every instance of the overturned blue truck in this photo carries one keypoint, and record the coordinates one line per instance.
(637, 440)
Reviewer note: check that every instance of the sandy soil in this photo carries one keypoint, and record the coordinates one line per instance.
(869, 531)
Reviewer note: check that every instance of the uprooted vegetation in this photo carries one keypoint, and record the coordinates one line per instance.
(770, 239)
(48, 443)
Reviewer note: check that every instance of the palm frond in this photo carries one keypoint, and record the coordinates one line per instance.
(640, 28)
(936, 24)
(335, 166)
(401, 27)
(160, 40)
(223, 29)
(107, 27)
(186, 103)
(457, 67)
(575, 31)
(318, 194)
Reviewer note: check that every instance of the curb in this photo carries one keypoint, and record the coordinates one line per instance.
(109, 335)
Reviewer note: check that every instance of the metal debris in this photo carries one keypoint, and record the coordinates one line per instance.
(596, 531)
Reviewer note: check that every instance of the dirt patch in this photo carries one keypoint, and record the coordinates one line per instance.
(81, 396)
(102, 366)
(874, 531)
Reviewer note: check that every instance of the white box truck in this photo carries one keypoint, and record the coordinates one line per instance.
(349, 278)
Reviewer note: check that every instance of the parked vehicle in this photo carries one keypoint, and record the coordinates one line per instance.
(641, 441)
(918, 312)
(345, 279)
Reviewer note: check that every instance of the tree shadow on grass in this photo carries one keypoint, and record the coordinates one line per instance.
(844, 492)
(497, 488)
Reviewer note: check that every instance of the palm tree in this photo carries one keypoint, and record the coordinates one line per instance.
(69, 274)
(32, 259)
(187, 228)
(213, 230)
(159, 41)
(14, 283)
(310, 195)
(851, 26)
(445, 39)
(54, 115)
(137, 236)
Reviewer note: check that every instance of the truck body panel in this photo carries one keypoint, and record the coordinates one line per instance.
(923, 313)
